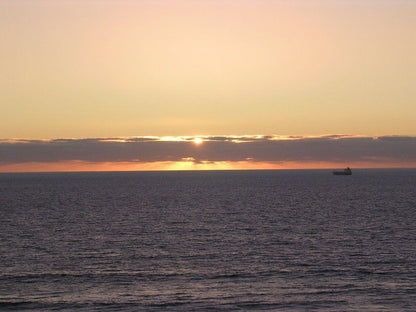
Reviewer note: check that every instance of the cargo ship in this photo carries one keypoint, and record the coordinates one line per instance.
(346, 171)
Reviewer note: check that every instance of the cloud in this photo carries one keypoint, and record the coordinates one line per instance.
(258, 148)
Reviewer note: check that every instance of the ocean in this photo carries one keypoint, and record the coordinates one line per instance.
(296, 240)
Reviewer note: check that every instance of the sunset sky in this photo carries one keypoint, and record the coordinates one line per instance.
(129, 85)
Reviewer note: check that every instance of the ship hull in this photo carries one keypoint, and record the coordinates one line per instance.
(341, 173)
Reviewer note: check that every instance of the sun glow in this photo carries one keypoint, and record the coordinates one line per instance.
(198, 141)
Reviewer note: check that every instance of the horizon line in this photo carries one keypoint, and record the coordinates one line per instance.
(209, 170)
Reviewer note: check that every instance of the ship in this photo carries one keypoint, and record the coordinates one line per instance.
(346, 171)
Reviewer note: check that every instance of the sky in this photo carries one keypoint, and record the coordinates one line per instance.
(94, 72)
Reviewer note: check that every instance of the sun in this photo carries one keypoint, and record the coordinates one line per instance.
(198, 141)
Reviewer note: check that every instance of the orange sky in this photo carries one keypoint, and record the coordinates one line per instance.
(105, 69)
(181, 67)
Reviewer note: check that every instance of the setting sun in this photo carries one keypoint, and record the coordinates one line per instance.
(198, 141)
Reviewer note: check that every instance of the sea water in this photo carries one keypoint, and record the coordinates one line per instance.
(208, 241)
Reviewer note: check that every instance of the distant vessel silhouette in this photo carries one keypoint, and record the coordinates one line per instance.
(346, 171)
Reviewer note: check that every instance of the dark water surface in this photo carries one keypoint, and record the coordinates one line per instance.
(208, 241)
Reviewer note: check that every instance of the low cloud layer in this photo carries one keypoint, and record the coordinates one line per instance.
(335, 148)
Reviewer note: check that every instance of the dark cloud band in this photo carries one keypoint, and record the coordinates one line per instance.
(333, 148)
